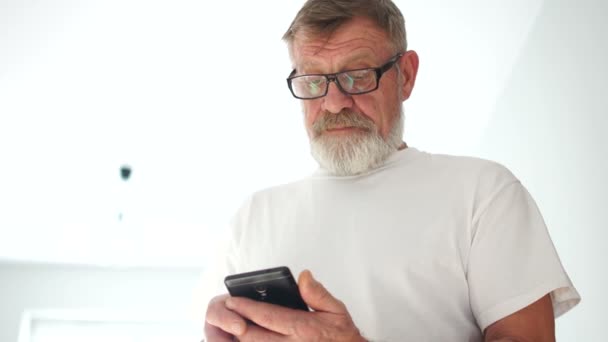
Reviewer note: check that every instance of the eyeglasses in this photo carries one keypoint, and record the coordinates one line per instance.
(351, 82)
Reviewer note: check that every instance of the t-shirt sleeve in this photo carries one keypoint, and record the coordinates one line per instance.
(512, 261)
(224, 259)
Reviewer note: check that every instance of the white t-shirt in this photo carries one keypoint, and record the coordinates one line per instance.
(425, 248)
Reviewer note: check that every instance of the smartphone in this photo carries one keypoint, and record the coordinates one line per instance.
(273, 285)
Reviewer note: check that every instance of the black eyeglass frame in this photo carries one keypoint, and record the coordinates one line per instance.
(334, 78)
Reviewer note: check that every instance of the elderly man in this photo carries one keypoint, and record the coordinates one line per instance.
(409, 246)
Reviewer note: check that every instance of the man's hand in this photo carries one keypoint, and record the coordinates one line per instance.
(221, 323)
(329, 322)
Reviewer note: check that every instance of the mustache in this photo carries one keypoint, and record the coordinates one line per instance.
(344, 118)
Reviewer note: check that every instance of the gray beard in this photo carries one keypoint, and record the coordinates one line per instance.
(356, 153)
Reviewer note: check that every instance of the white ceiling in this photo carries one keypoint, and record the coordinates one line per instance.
(88, 86)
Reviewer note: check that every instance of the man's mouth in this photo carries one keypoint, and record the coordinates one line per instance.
(337, 129)
(345, 129)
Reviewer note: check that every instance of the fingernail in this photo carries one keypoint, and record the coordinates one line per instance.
(229, 303)
(236, 328)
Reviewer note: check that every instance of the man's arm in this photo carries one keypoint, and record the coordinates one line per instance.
(535, 323)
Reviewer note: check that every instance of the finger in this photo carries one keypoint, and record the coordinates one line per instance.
(258, 334)
(215, 334)
(272, 317)
(221, 317)
(317, 296)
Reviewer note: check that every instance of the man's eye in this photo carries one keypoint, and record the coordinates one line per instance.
(347, 81)
(361, 76)
(314, 87)
(353, 80)
(356, 77)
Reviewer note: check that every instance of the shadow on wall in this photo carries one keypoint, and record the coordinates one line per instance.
(549, 128)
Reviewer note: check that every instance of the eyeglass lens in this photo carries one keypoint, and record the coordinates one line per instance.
(352, 82)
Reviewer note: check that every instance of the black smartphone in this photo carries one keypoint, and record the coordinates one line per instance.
(273, 285)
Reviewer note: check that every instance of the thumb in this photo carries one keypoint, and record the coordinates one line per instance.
(316, 296)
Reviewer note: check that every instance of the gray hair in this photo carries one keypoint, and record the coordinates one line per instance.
(323, 17)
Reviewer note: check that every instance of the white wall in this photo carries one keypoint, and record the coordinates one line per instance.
(191, 94)
(163, 293)
(549, 126)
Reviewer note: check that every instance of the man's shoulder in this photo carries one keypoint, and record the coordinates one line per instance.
(281, 191)
(471, 172)
(470, 167)
(273, 194)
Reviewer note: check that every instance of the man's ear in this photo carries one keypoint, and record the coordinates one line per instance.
(408, 65)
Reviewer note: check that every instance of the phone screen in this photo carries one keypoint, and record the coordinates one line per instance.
(273, 285)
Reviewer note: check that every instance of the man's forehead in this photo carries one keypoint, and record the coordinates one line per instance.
(320, 59)
(356, 40)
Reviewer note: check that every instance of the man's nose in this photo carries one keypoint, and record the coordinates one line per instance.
(335, 100)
